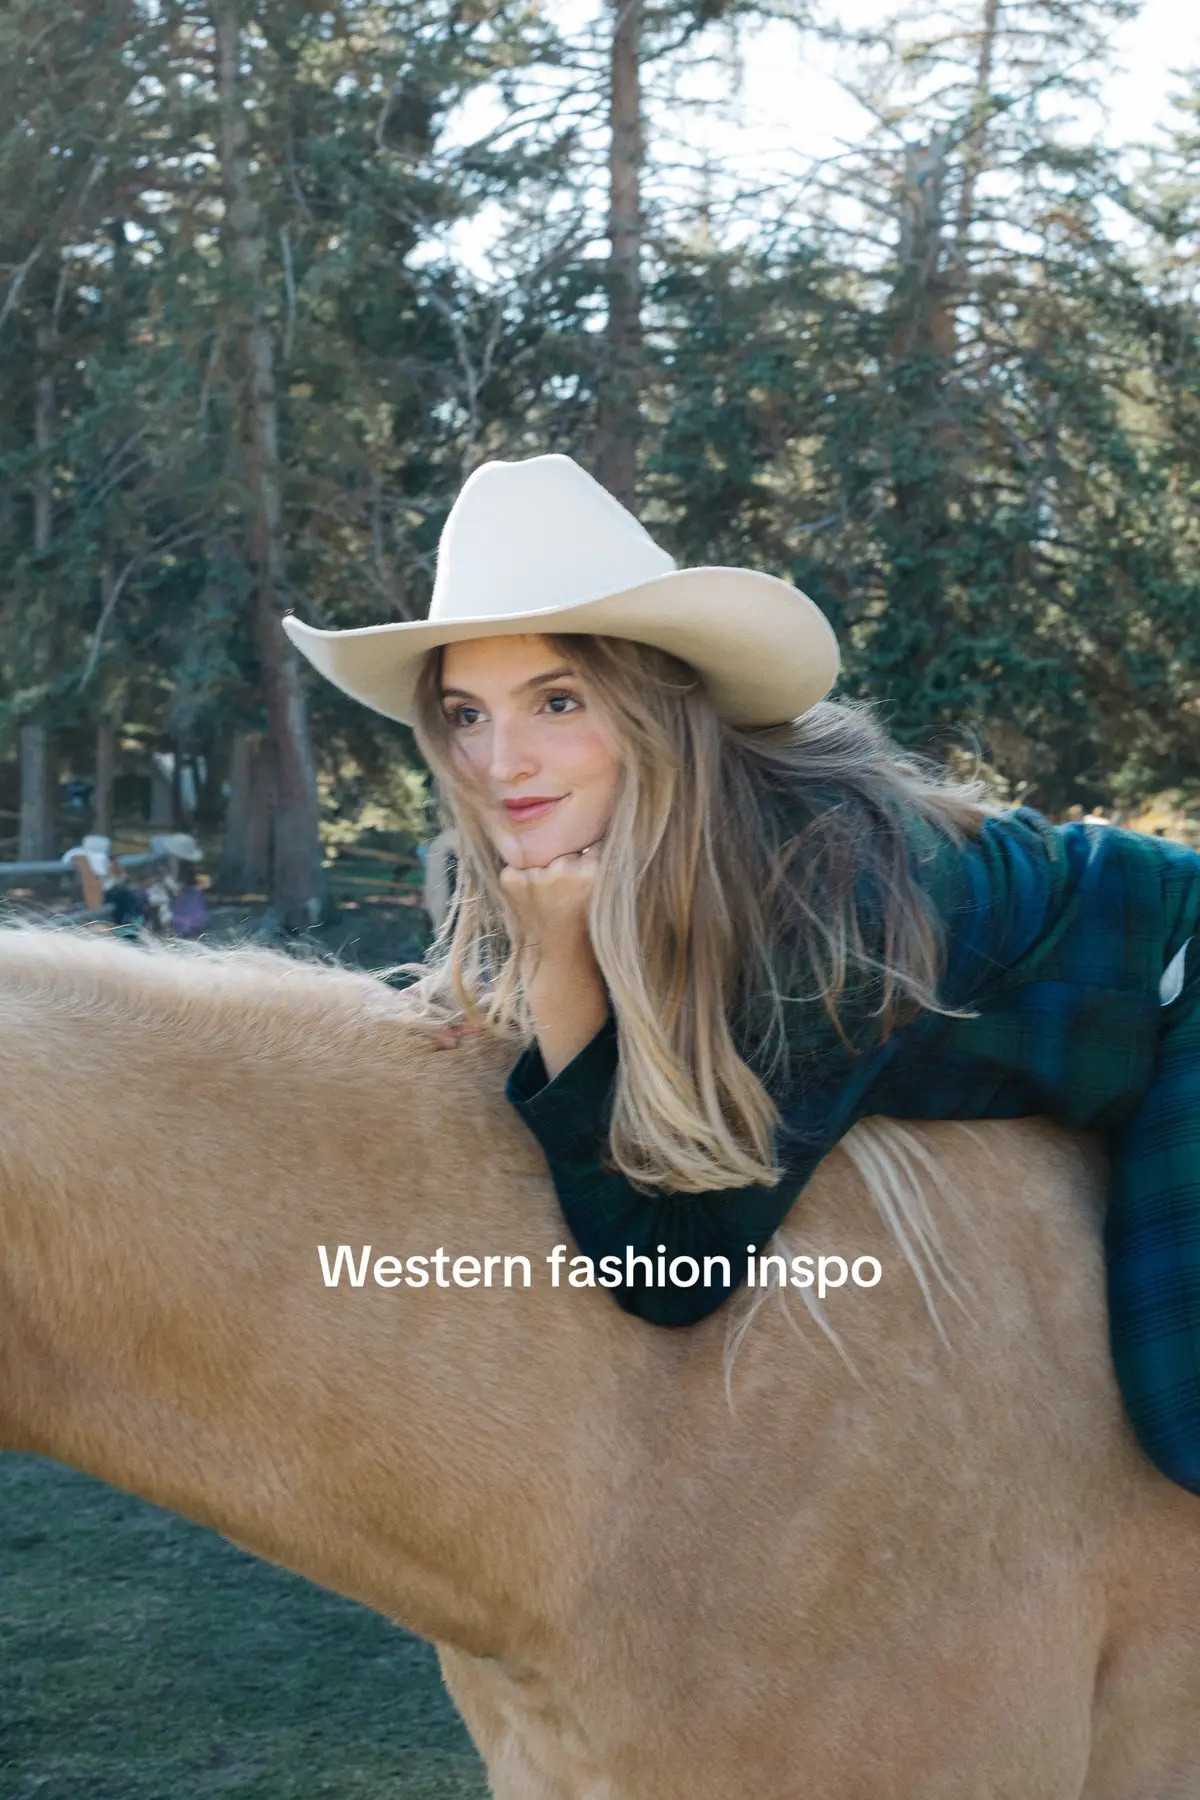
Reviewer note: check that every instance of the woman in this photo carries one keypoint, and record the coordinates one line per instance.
(725, 917)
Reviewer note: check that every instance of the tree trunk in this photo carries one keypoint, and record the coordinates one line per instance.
(102, 793)
(923, 294)
(616, 456)
(246, 851)
(299, 889)
(177, 808)
(931, 282)
(921, 350)
(36, 828)
(43, 440)
(975, 144)
(162, 799)
(210, 772)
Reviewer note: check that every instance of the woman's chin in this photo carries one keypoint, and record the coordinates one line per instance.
(540, 856)
(536, 845)
(539, 852)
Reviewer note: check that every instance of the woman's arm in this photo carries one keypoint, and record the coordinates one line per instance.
(562, 1087)
(569, 1003)
(608, 1217)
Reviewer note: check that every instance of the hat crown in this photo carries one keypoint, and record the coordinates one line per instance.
(539, 533)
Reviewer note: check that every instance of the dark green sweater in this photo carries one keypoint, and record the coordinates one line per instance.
(1058, 936)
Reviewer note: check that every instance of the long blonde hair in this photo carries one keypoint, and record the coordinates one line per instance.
(743, 872)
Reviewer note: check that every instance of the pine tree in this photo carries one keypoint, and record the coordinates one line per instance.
(260, 356)
(928, 408)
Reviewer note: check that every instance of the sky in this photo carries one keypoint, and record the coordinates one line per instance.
(791, 98)
(789, 107)
(1165, 37)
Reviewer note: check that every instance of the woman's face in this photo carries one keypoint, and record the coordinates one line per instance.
(523, 723)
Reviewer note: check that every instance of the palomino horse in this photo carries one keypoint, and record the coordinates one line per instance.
(900, 1566)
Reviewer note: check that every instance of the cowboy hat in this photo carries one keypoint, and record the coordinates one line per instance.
(539, 547)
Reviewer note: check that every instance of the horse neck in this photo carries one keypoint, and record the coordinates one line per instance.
(164, 1322)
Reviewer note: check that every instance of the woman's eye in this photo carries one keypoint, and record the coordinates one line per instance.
(466, 716)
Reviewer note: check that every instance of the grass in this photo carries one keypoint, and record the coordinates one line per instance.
(144, 1658)
(370, 930)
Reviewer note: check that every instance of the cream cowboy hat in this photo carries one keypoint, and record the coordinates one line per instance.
(539, 547)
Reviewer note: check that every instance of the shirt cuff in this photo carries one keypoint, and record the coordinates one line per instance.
(577, 1103)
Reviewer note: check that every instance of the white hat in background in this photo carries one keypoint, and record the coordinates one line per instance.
(96, 849)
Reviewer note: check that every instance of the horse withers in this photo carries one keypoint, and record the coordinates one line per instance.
(900, 1545)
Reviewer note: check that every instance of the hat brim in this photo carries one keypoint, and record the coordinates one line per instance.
(765, 652)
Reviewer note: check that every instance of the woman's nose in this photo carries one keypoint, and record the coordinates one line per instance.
(511, 753)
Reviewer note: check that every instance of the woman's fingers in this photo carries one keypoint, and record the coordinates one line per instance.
(441, 1034)
(551, 903)
(449, 1037)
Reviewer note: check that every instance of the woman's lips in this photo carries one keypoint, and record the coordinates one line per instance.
(533, 810)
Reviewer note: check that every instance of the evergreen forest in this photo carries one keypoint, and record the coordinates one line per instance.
(275, 277)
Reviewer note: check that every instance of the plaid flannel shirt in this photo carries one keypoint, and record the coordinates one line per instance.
(1077, 948)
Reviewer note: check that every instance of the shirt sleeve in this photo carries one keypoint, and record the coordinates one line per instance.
(609, 1217)
(1001, 897)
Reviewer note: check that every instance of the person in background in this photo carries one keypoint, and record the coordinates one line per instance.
(176, 903)
(104, 882)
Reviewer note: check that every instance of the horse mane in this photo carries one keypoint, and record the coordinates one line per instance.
(235, 996)
(900, 1173)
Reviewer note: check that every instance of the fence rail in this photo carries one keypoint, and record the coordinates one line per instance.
(28, 871)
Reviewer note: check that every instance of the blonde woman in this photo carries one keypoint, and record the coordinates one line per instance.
(722, 917)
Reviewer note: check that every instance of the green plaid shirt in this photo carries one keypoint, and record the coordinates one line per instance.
(1078, 949)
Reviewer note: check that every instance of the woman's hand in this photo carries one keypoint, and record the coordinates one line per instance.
(449, 1037)
(549, 914)
(565, 990)
(549, 905)
(442, 1034)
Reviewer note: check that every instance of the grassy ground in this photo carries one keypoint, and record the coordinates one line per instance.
(143, 1658)
(368, 933)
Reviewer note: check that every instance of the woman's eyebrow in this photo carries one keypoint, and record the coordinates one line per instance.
(448, 693)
